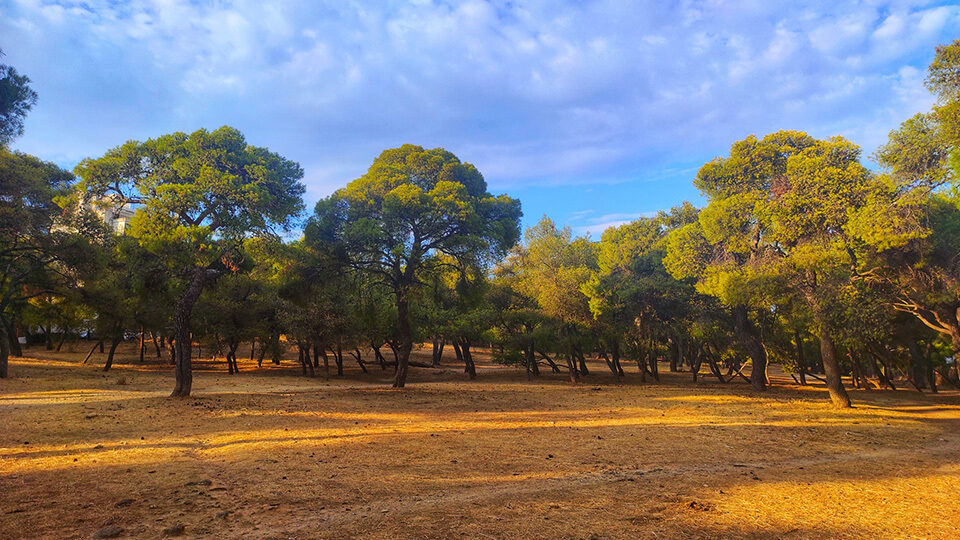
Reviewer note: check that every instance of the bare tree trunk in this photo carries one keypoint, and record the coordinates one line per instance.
(469, 367)
(182, 311)
(572, 364)
(63, 337)
(532, 367)
(89, 354)
(338, 358)
(406, 338)
(828, 351)
(611, 365)
(437, 351)
(695, 364)
(581, 360)
(4, 352)
(801, 359)
(13, 340)
(881, 371)
(553, 365)
(379, 356)
(674, 354)
(113, 349)
(356, 354)
(758, 355)
(142, 337)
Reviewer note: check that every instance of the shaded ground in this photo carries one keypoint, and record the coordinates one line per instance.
(270, 454)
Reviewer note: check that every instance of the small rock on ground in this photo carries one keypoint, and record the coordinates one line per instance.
(110, 531)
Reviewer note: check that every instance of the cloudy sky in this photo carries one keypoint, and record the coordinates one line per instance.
(590, 112)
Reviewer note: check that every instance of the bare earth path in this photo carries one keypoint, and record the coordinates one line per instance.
(270, 454)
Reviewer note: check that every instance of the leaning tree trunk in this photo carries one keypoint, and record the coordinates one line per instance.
(113, 348)
(406, 339)
(758, 355)
(181, 331)
(831, 368)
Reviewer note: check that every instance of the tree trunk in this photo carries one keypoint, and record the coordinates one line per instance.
(917, 372)
(142, 338)
(13, 340)
(356, 354)
(379, 356)
(881, 371)
(758, 355)
(113, 349)
(674, 355)
(155, 344)
(437, 351)
(182, 311)
(406, 338)
(553, 365)
(695, 364)
(611, 364)
(47, 340)
(63, 337)
(581, 360)
(572, 364)
(338, 358)
(89, 354)
(469, 367)
(532, 366)
(615, 358)
(801, 359)
(232, 366)
(4, 352)
(828, 351)
(263, 352)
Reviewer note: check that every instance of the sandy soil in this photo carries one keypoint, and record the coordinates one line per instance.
(270, 454)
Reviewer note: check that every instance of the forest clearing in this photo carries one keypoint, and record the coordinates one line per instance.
(265, 271)
(267, 454)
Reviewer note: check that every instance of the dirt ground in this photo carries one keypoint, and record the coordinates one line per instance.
(271, 454)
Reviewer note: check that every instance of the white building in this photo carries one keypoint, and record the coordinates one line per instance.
(116, 217)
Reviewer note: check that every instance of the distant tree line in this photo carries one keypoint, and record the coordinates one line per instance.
(802, 256)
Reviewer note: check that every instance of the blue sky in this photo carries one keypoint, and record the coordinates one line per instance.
(590, 112)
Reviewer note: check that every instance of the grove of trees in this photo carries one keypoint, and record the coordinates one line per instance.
(802, 256)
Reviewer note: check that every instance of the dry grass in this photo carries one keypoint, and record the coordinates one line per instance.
(269, 454)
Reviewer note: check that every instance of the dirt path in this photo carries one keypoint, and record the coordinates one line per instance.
(268, 454)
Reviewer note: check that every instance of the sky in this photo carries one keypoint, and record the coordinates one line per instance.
(593, 113)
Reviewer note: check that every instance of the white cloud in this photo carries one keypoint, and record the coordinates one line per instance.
(534, 92)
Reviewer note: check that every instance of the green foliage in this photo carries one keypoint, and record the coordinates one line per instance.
(16, 100)
(411, 203)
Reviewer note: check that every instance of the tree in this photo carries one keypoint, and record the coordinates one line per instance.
(197, 197)
(632, 295)
(16, 99)
(34, 252)
(552, 268)
(922, 158)
(792, 213)
(411, 204)
(720, 250)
